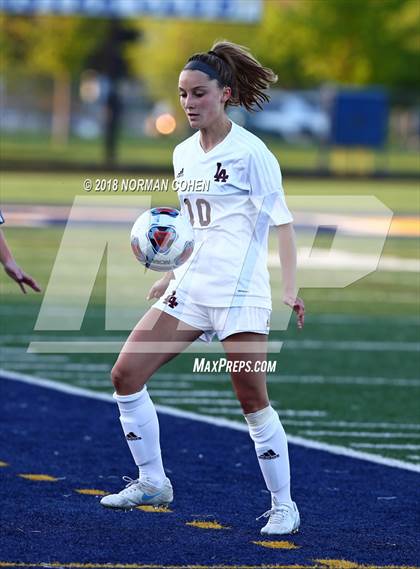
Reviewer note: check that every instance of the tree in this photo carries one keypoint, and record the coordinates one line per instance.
(306, 42)
(55, 47)
(363, 42)
(166, 45)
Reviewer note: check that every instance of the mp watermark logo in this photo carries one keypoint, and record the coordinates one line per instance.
(96, 243)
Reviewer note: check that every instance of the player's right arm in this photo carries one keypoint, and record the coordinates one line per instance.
(160, 286)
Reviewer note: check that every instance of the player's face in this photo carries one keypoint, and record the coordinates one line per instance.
(201, 98)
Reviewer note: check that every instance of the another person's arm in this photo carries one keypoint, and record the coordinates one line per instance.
(12, 268)
(288, 259)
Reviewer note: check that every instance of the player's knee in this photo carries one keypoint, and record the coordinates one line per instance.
(252, 402)
(124, 381)
(117, 378)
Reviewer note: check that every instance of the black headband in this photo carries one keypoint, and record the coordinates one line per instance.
(205, 68)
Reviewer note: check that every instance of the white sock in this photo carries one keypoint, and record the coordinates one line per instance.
(270, 442)
(141, 428)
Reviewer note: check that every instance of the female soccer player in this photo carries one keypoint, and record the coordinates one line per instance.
(224, 288)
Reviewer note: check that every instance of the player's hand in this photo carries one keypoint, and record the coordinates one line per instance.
(298, 306)
(158, 289)
(16, 273)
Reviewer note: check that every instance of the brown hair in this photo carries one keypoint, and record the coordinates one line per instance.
(240, 71)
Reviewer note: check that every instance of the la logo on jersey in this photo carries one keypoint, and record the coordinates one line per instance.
(170, 300)
(220, 175)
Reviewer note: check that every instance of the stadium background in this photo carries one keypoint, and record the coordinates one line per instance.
(83, 98)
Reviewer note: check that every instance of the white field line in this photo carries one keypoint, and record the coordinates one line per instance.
(106, 382)
(174, 386)
(355, 424)
(67, 345)
(195, 392)
(99, 382)
(104, 379)
(232, 404)
(312, 259)
(197, 401)
(363, 346)
(221, 422)
(21, 353)
(282, 412)
(357, 319)
(375, 296)
(112, 347)
(337, 319)
(386, 446)
(346, 380)
(361, 434)
(53, 366)
(218, 411)
(414, 456)
(86, 344)
(300, 379)
(103, 370)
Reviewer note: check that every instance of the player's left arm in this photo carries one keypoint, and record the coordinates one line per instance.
(288, 260)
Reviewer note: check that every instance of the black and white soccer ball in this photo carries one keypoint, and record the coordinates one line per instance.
(162, 239)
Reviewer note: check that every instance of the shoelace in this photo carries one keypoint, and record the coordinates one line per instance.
(279, 514)
(130, 481)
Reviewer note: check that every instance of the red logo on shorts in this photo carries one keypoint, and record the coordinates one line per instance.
(170, 300)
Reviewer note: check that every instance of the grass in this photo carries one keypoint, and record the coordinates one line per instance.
(158, 152)
(380, 308)
(353, 364)
(61, 188)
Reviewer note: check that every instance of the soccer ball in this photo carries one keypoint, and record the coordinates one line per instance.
(162, 239)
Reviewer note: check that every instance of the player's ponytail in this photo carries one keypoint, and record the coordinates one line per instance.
(239, 70)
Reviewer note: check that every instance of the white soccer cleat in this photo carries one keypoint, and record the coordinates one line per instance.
(138, 493)
(282, 519)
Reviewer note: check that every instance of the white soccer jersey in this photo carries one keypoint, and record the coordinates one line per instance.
(243, 196)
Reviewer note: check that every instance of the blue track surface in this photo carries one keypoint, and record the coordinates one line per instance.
(215, 476)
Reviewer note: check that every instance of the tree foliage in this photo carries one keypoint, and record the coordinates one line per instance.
(166, 46)
(306, 42)
(49, 45)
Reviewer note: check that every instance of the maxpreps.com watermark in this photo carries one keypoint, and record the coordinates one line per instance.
(137, 185)
(222, 365)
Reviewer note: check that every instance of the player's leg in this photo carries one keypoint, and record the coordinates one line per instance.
(264, 424)
(156, 339)
(265, 429)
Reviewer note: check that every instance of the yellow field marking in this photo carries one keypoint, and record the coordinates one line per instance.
(91, 492)
(39, 477)
(206, 525)
(3, 464)
(342, 564)
(339, 564)
(277, 544)
(158, 509)
(357, 160)
(409, 226)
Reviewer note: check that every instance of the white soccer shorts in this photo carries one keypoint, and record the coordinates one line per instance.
(220, 321)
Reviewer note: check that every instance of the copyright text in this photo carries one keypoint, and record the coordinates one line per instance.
(134, 185)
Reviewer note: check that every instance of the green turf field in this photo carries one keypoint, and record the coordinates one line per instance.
(349, 378)
(158, 152)
(61, 188)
